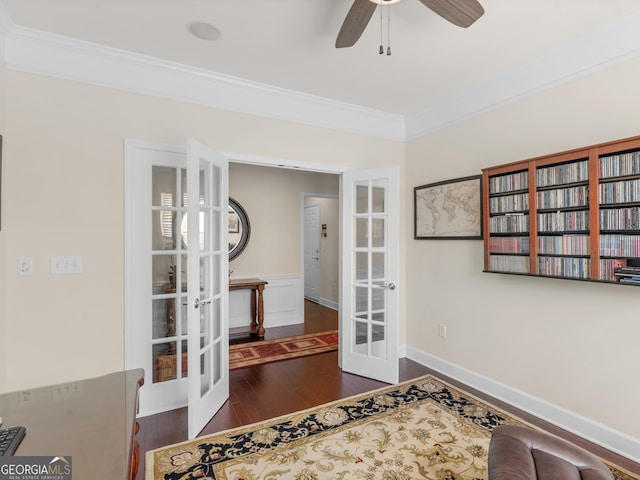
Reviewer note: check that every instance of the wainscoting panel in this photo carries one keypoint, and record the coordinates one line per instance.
(283, 303)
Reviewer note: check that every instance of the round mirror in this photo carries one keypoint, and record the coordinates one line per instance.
(239, 229)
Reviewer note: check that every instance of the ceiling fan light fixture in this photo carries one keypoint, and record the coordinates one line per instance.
(204, 31)
(384, 2)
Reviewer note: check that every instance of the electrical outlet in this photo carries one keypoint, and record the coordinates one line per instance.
(25, 266)
(442, 330)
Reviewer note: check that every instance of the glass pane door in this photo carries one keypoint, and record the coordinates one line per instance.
(369, 329)
(168, 274)
(207, 231)
(156, 273)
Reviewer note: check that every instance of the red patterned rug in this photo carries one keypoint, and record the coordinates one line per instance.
(265, 351)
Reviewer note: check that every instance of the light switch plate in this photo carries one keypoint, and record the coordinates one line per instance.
(66, 265)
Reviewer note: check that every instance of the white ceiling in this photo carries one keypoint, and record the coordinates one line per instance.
(290, 43)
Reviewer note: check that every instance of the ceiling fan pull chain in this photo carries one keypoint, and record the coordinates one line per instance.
(381, 47)
(388, 29)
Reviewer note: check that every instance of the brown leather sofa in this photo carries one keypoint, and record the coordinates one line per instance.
(520, 453)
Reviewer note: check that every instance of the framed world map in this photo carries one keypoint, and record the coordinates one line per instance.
(451, 209)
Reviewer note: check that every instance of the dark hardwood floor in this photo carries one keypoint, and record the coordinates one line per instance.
(316, 319)
(265, 391)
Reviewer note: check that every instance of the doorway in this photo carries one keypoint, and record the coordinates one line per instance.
(274, 199)
(284, 209)
(368, 252)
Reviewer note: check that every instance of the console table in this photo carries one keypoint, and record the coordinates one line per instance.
(256, 286)
(93, 421)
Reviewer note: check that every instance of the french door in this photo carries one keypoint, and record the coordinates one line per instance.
(176, 233)
(208, 307)
(369, 307)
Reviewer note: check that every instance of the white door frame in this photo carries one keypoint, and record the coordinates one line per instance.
(235, 157)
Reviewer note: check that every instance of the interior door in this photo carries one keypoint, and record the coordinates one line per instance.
(155, 269)
(369, 308)
(312, 252)
(208, 284)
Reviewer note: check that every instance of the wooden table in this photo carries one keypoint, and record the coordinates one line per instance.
(93, 421)
(256, 286)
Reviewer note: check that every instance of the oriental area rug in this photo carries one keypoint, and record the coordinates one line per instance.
(421, 429)
(265, 351)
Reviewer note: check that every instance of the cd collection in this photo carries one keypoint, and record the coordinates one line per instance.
(620, 165)
(620, 219)
(564, 221)
(509, 244)
(509, 224)
(564, 197)
(503, 263)
(509, 183)
(564, 241)
(562, 174)
(625, 191)
(620, 245)
(564, 267)
(509, 203)
(564, 245)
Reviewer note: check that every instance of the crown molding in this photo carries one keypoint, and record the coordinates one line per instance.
(61, 57)
(598, 49)
(42, 53)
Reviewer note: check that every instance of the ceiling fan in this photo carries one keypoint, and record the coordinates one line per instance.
(459, 12)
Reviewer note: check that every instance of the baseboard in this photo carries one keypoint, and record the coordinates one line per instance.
(329, 304)
(613, 440)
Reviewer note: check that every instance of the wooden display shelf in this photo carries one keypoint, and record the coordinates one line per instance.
(571, 262)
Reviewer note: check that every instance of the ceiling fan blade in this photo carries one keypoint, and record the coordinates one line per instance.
(355, 22)
(459, 12)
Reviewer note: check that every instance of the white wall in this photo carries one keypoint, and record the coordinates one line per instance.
(63, 171)
(271, 198)
(573, 345)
